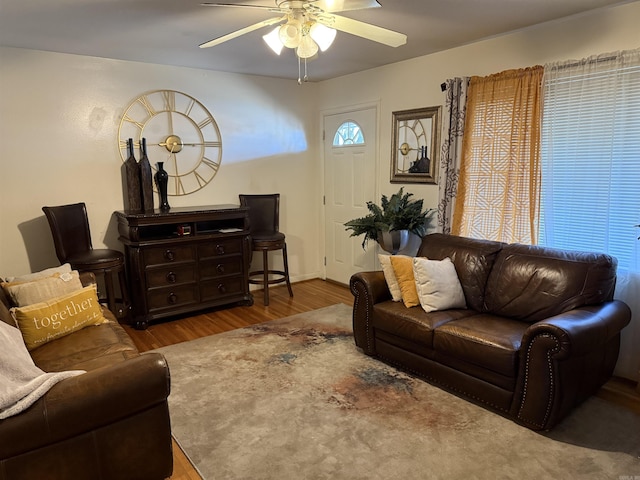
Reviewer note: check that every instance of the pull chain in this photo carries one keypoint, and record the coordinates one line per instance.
(306, 77)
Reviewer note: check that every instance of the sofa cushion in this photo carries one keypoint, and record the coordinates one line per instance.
(484, 340)
(531, 283)
(87, 349)
(472, 258)
(413, 324)
(437, 284)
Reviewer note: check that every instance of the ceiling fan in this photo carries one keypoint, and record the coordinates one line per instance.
(309, 25)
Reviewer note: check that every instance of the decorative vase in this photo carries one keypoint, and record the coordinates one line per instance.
(393, 241)
(399, 241)
(146, 178)
(162, 178)
(132, 180)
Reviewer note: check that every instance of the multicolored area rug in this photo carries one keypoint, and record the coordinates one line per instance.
(295, 399)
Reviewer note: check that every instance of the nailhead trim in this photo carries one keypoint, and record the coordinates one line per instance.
(356, 295)
(555, 350)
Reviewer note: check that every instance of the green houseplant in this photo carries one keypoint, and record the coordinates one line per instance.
(397, 213)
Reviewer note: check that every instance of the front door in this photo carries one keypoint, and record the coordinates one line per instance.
(350, 176)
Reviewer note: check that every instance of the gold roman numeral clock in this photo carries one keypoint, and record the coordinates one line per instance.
(180, 132)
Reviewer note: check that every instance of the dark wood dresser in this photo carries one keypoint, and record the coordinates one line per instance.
(186, 259)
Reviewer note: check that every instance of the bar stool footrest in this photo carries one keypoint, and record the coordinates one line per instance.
(282, 279)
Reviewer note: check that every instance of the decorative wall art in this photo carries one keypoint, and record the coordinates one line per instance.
(415, 149)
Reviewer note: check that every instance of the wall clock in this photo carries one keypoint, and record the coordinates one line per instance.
(180, 132)
(416, 145)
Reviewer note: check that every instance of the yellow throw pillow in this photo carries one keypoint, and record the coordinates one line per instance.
(403, 268)
(44, 289)
(42, 322)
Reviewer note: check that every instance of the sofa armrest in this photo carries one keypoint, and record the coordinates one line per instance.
(582, 330)
(368, 288)
(87, 402)
(564, 359)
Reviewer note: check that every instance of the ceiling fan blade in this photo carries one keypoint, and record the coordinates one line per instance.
(216, 4)
(242, 31)
(364, 30)
(344, 5)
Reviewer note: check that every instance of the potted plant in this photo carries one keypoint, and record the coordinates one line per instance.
(391, 223)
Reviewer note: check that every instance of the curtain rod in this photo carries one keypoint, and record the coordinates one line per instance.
(585, 62)
(443, 85)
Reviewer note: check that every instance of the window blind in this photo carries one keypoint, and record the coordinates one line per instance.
(590, 155)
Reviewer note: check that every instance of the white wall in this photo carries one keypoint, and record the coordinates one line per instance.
(61, 114)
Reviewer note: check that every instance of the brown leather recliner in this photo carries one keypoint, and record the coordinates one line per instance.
(109, 423)
(540, 333)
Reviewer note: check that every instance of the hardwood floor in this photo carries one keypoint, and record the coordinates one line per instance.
(308, 295)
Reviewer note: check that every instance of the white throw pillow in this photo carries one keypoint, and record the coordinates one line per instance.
(390, 277)
(30, 277)
(437, 284)
(27, 293)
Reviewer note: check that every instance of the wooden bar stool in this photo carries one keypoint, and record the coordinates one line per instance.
(264, 225)
(72, 239)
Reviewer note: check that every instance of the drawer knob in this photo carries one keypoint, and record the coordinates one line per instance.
(171, 277)
(220, 268)
(220, 249)
(172, 298)
(222, 288)
(169, 255)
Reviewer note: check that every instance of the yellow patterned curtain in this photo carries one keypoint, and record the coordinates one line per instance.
(499, 188)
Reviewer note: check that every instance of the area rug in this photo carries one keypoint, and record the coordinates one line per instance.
(295, 399)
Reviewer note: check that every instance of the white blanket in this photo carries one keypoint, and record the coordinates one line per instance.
(21, 381)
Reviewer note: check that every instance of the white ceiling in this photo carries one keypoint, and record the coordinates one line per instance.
(169, 31)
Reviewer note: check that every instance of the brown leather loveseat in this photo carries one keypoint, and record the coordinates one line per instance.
(111, 422)
(540, 333)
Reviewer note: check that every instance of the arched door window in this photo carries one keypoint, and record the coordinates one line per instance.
(349, 133)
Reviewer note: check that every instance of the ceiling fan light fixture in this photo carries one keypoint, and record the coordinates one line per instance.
(273, 40)
(290, 33)
(307, 48)
(322, 35)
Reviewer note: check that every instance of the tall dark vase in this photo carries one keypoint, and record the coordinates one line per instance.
(132, 180)
(162, 178)
(146, 178)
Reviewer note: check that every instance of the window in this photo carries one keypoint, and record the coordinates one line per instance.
(349, 133)
(590, 154)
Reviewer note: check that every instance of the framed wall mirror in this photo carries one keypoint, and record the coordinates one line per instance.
(415, 149)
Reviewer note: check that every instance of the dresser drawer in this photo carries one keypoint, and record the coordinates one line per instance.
(171, 297)
(169, 254)
(170, 275)
(212, 289)
(220, 267)
(224, 246)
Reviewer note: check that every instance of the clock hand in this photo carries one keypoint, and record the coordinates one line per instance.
(188, 144)
(170, 123)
